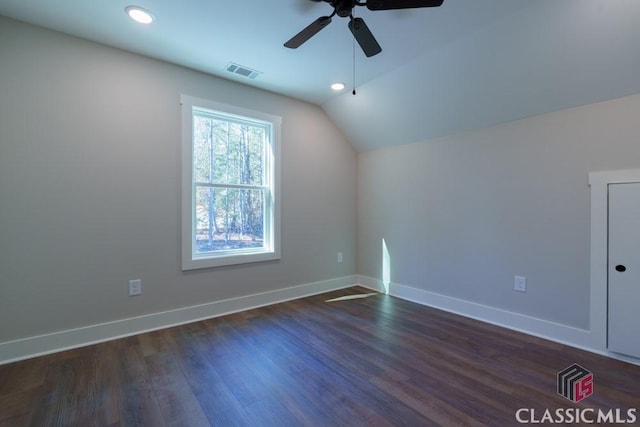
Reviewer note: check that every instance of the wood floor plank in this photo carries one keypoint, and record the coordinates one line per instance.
(376, 361)
(292, 362)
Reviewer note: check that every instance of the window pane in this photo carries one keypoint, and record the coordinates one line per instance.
(226, 152)
(202, 149)
(228, 219)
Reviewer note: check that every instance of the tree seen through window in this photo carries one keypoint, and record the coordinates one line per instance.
(229, 183)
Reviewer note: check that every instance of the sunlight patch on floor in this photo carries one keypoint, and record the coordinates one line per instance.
(348, 297)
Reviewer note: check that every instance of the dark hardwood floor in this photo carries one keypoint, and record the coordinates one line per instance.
(377, 361)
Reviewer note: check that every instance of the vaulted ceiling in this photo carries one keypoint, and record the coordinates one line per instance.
(465, 65)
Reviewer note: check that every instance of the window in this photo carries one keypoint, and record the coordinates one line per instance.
(230, 185)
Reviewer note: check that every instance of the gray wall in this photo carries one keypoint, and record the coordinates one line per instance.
(89, 186)
(461, 215)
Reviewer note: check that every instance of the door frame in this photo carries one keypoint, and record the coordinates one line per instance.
(599, 183)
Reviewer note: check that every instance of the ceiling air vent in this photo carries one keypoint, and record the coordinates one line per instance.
(242, 70)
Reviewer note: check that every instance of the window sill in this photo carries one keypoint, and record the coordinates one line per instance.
(224, 260)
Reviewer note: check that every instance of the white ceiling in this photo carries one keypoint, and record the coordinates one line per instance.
(465, 65)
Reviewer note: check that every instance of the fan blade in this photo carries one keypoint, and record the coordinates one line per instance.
(310, 31)
(364, 37)
(401, 4)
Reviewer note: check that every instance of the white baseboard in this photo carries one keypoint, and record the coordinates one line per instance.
(563, 334)
(12, 351)
(26, 348)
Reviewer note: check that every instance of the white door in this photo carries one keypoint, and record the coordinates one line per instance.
(624, 269)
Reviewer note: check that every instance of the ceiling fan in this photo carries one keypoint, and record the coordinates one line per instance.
(360, 31)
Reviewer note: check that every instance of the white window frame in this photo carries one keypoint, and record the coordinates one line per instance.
(271, 248)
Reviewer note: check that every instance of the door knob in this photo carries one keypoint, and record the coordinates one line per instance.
(621, 268)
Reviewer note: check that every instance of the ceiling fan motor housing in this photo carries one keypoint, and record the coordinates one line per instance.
(344, 7)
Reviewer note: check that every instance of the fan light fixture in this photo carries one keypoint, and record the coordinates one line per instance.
(139, 14)
(337, 86)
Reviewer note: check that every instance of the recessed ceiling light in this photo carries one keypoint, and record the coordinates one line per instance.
(139, 14)
(337, 86)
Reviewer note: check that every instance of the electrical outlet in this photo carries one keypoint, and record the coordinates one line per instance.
(339, 256)
(135, 287)
(519, 283)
